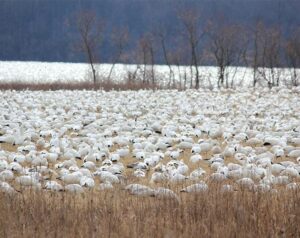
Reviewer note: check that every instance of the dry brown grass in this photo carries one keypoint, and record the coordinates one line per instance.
(107, 86)
(118, 214)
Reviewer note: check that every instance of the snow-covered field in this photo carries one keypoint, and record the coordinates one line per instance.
(44, 72)
(150, 143)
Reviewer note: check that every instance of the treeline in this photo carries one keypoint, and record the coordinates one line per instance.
(46, 30)
(265, 49)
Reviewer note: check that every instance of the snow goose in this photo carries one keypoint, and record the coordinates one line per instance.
(89, 165)
(139, 173)
(72, 178)
(114, 157)
(196, 188)
(196, 149)
(196, 158)
(165, 193)
(140, 190)
(68, 163)
(215, 133)
(92, 156)
(274, 141)
(106, 176)
(254, 142)
(246, 183)
(197, 174)
(140, 155)
(293, 186)
(241, 137)
(217, 177)
(161, 145)
(233, 166)
(27, 180)
(175, 154)
(294, 153)
(105, 186)
(290, 172)
(263, 187)
(176, 177)
(87, 182)
(15, 167)
(73, 168)
(178, 166)
(216, 149)
(280, 180)
(226, 188)
(278, 152)
(85, 172)
(216, 165)
(74, 188)
(235, 174)
(123, 152)
(184, 145)
(51, 157)
(53, 186)
(205, 146)
(6, 175)
(153, 160)
(39, 161)
(6, 188)
(276, 169)
(138, 165)
(295, 141)
(3, 165)
(19, 158)
(159, 177)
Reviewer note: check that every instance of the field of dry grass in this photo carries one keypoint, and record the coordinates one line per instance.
(115, 214)
(107, 86)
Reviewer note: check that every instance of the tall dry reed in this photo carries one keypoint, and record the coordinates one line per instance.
(118, 214)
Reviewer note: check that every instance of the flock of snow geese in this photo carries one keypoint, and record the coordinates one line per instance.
(150, 142)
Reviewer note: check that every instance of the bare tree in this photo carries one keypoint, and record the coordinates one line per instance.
(256, 50)
(119, 38)
(228, 48)
(175, 58)
(272, 55)
(161, 35)
(267, 55)
(90, 30)
(292, 54)
(194, 33)
(146, 49)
